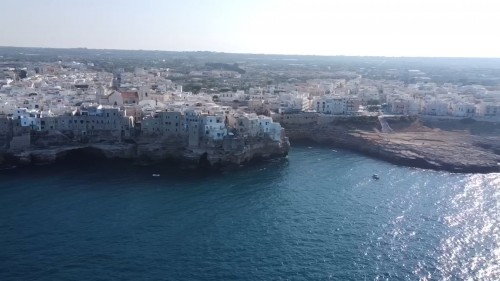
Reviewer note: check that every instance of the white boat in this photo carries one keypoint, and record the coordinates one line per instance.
(375, 177)
(156, 175)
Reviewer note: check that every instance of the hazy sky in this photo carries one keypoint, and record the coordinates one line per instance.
(321, 27)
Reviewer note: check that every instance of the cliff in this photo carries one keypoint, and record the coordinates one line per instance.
(151, 150)
(408, 143)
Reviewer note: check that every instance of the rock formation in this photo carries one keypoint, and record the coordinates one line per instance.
(146, 151)
(412, 144)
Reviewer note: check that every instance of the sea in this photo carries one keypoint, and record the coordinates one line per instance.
(316, 215)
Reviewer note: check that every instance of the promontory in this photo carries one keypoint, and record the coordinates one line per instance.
(459, 145)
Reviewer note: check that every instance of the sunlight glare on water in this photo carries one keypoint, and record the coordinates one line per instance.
(317, 215)
(471, 247)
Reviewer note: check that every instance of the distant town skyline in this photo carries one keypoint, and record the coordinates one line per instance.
(440, 28)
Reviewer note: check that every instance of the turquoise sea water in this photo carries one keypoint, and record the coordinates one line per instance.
(317, 215)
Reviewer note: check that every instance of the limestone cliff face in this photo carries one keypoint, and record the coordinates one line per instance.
(255, 150)
(410, 146)
(155, 150)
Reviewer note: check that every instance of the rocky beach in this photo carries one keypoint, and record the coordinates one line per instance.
(411, 143)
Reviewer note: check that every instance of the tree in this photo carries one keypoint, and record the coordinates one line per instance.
(22, 74)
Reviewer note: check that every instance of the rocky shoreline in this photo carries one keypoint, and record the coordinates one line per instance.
(408, 144)
(413, 146)
(150, 152)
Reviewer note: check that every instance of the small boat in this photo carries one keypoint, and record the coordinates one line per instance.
(375, 177)
(156, 175)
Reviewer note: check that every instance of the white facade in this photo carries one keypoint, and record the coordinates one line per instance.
(270, 128)
(336, 105)
(488, 110)
(463, 109)
(436, 108)
(232, 96)
(214, 127)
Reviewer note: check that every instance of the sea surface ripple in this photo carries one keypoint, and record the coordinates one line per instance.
(317, 215)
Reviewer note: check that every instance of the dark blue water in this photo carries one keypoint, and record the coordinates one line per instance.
(314, 216)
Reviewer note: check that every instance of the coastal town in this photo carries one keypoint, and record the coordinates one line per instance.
(250, 140)
(114, 107)
(61, 103)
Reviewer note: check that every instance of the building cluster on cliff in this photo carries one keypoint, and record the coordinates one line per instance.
(59, 105)
(69, 101)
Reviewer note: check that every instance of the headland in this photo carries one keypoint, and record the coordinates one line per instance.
(230, 153)
(410, 141)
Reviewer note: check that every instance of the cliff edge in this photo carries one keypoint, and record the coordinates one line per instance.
(146, 151)
(408, 142)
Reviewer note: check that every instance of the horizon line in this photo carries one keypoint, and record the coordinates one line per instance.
(248, 53)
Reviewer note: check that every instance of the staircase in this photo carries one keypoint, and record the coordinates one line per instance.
(385, 126)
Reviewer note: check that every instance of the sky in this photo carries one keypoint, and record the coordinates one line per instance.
(429, 28)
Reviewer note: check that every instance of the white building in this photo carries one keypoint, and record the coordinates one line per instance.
(462, 109)
(232, 96)
(214, 127)
(270, 128)
(436, 108)
(336, 105)
(488, 110)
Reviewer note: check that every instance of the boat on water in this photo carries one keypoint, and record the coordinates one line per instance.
(375, 177)
(156, 175)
